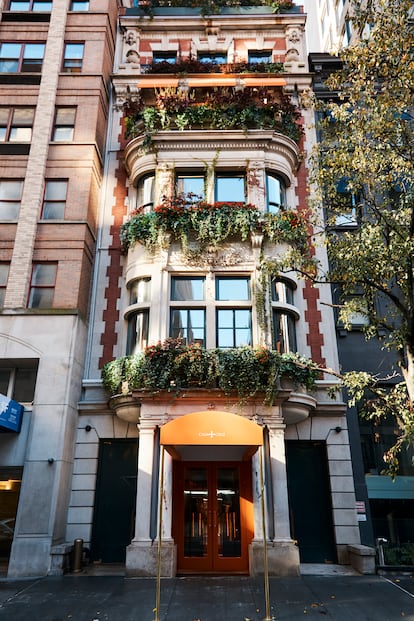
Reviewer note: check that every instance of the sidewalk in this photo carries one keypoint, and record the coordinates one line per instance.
(80, 597)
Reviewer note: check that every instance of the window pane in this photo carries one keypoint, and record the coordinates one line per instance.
(230, 189)
(284, 332)
(54, 210)
(282, 292)
(73, 56)
(63, 134)
(164, 57)
(56, 190)
(10, 50)
(4, 381)
(260, 56)
(4, 273)
(44, 274)
(190, 184)
(137, 338)
(275, 194)
(65, 116)
(79, 6)
(225, 318)
(4, 116)
(187, 289)
(23, 117)
(34, 50)
(10, 196)
(40, 5)
(140, 291)
(232, 289)
(218, 58)
(18, 5)
(41, 298)
(188, 324)
(145, 188)
(24, 385)
(20, 134)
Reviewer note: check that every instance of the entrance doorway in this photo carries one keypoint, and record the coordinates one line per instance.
(116, 488)
(213, 516)
(310, 501)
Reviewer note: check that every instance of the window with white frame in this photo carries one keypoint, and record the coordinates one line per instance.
(230, 187)
(21, 57)
(187, 309)
(10, 198)
(4, 275)
(16, 124)
(275, 193)
(138, 316)
(215, 316)
(145, 192)
(284, 316)
(346, 202)
(42, 285)
(191, 185)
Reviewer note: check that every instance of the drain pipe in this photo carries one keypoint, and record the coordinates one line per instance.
(159, 557)
(265, 560)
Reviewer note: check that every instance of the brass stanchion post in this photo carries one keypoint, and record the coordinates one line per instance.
(265, 560)
(160, 502)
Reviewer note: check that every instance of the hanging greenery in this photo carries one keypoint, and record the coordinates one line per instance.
(173, 366)
(209, 224)
(219, 108)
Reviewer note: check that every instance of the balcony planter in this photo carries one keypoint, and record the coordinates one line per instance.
(126, 407)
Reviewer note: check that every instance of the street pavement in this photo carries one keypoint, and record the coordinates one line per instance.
(80, 597)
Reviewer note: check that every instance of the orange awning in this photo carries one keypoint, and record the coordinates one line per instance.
(205, 81)
(211, 428)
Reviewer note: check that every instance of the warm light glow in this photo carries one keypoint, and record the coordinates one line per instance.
(199, 82)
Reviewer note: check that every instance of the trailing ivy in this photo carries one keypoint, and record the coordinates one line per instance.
(244, 371)
(209, 225)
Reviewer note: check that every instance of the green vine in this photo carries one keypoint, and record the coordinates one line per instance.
(172, 366)
(209, 225)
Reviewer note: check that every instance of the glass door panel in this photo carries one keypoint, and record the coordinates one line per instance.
(228, 513)
(196, 512)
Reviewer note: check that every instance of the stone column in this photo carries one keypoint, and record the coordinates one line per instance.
(282, 553)
(142, 553)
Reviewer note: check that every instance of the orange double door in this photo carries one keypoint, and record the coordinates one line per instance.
(213, 516)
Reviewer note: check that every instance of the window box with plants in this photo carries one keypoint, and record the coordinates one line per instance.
(210, 7)
(242, 371)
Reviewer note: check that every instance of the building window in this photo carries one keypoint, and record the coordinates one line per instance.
(140, 291)
(233, 325)
(79, 6)
(54, 200)
(145, 192)
(73, 57)
(164, 57)
(188, 323)
(284, 332)
(230, 188)
(4, 274)
(42, 285)
(215, 58)
(259, 56)
(18, 382)
(193, 186)
(64, 126)
(30, 5)
(10, 198)
(138, 318)
(275, 193)
(137, 336)
(345, 205)
(284, 319)
(16, 124)
(21, 57)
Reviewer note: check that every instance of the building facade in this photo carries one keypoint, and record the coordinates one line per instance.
(201, 115)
